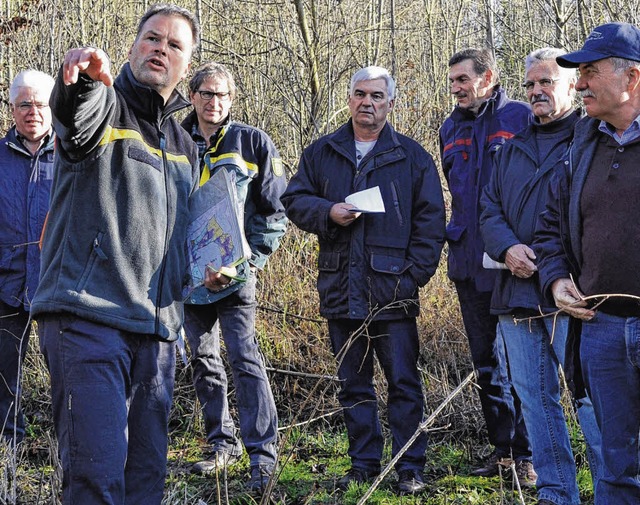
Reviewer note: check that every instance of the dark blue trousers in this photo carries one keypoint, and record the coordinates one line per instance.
(500, 404)
(111, 393)
(14, 339)
(395, 344)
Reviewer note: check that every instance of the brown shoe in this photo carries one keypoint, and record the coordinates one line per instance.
(527, 476)
(490, 467)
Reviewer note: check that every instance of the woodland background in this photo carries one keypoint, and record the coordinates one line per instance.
(292, 60)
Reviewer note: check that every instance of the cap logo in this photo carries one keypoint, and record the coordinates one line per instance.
(594, 36)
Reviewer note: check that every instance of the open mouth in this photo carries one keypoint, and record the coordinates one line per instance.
(156, 62)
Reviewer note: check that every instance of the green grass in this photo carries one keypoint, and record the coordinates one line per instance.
(312, 462)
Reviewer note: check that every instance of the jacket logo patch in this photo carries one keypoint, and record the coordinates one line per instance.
(277, 167)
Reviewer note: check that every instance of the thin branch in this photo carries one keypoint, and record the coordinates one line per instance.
(422, 428)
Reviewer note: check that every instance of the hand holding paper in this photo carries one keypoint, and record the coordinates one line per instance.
(369, 200)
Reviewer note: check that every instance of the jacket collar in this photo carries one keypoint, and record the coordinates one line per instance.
(13, 140)
(145, 101)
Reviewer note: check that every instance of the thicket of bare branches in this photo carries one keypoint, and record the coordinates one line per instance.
(292, 60)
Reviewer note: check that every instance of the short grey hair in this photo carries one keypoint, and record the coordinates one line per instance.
(622, 64)
(549, 54)
(33, 79)
(172, 10)
(370, 74)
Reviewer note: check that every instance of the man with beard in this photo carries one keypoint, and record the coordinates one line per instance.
(511, 202)
(469, 138)
(113, 260)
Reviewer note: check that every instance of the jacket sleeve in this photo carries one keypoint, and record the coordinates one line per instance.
(81, 113)
(428, 223)
(303, 199)
(265, 220)
(496, 232)
(549, 243)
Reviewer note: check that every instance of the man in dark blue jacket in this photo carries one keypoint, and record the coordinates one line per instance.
(469, 138)
(253, 162)
(371, 266)
(113, 260)
(586, 242)
(511, 202)
(26, 171)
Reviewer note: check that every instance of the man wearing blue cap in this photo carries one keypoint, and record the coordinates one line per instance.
(586, 244)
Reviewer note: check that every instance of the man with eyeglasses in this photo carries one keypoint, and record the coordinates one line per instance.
(26, 172)
(482, 121)
(587, 244)
(252, 160)
(511, 202)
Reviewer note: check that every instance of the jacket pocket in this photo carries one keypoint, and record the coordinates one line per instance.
(390, 280)
(333, 281)
(97, 253)
(135, 153)
(457, 257)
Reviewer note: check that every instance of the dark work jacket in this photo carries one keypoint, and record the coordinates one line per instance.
(25, 184)
(468, 144)
(511, 203)
(376, 265)
(253, 162)
(558, 232)
(114, 244)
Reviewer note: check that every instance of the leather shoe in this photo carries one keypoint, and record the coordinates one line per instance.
(357, 476)
(490, 466)
(260, 475)
(527, 476)
(214, 463)
(411, 481)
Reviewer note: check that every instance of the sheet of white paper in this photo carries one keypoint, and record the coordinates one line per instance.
(369, 200)
(490, 264)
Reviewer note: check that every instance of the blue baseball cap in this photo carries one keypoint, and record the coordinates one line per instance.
(619, 40)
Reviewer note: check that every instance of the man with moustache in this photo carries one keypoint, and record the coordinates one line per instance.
(26, 171)
(253, 162)
(511, 202)
(586, 242)
(371, 267)
(469, 139)
(113, 260)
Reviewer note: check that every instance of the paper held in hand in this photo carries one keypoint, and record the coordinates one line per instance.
(369, 200)
(490, 264)
(215, 236)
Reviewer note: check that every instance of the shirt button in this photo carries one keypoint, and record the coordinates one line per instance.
(616, 165)
(620, 149)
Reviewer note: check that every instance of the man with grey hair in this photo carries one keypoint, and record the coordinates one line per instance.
(249, 156)
(587, 240)
(535, 347)
(372, 261)
(26, 171)
(113, 260)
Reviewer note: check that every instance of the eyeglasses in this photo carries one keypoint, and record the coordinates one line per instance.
(208, 95)
(544, 83)
(26, 106)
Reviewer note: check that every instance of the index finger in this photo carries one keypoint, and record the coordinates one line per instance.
(89, 60)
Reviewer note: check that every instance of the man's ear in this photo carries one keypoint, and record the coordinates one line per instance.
(633, 75)
(488, 77)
